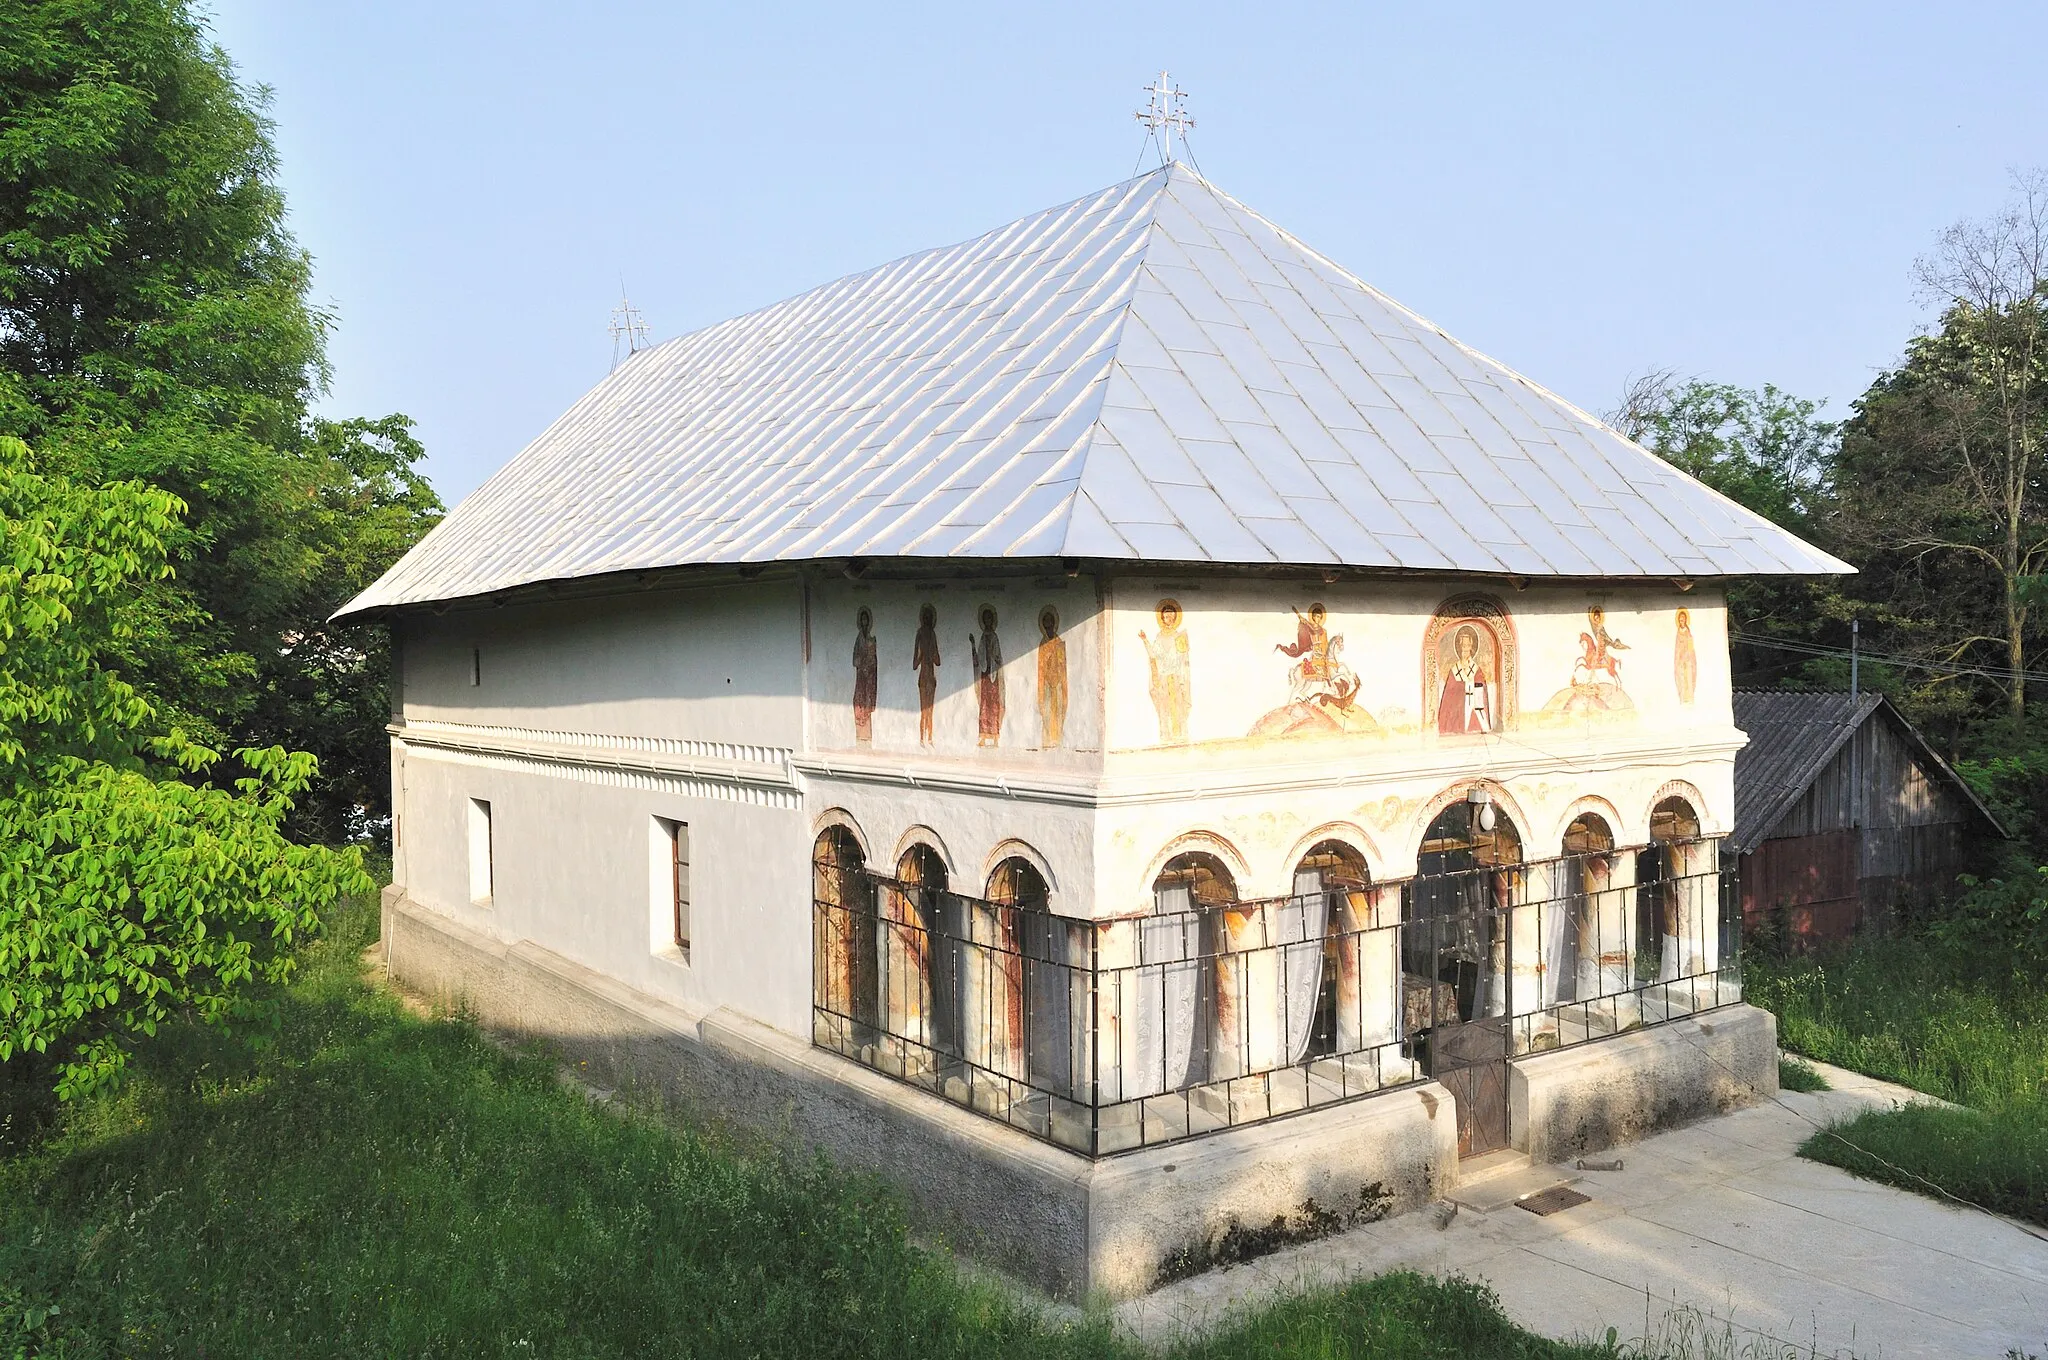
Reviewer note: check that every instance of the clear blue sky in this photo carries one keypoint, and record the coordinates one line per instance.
(1734, 191)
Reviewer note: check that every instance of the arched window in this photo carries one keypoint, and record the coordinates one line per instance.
(1173, 987)
(1664, 883)
(1455, 938)
(920, 962)
(843, 943)
(1055, 956)
(1577, 933)
(1320, 995)
(1013, 911)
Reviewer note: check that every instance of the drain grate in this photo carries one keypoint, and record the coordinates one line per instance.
(1551, 1200)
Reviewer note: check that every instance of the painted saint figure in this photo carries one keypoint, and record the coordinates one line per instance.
(865, 681)
(1595, 690)
(1167, 656)
(1685, 661)
(987, 656)
(1310, 649)
(1466, 702)
(1600, 648)
(924, 659)
(1320, 687)
(1052, 679)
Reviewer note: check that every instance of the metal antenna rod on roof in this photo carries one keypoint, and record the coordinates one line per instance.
(628, 326)
(1166, 115)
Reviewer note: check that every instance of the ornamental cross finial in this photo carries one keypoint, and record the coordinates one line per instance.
(1165, 116)
(627, 328)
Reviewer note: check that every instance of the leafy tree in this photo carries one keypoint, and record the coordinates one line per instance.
(126, 893)
(1942, 464)
(154, 326)
(1766, 450)
(1770, 452)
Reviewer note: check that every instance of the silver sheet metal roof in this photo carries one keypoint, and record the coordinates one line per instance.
(1154, 372)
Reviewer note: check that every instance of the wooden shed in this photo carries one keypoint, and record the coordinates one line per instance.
(1843, 814)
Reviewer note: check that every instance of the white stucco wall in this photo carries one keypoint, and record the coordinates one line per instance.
(1259, 799)
(730, 709)
(591, 719)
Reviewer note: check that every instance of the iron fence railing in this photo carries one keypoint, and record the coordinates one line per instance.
(1101, 1036)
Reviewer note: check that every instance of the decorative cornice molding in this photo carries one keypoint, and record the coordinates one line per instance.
(1500, 762)
(766, 769)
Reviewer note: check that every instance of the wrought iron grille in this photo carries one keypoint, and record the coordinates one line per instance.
(1102, 1036)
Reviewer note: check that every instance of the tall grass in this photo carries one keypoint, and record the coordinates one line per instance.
(1963, 1023)
(371, 1183)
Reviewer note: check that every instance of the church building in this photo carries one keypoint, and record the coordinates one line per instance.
(1114, 725)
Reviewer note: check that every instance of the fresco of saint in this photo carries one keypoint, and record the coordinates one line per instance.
(865, 677)
(1320, 687)
(1685, 660)
(1167, 656)
(1595, 689)
(1600, 648)
(924, 659)
(987, 656)
(1052, 679)
(1465, 704)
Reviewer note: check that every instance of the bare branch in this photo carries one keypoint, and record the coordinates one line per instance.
(1644, 397)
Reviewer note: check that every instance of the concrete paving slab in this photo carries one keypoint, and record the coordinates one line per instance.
(1721, 1221)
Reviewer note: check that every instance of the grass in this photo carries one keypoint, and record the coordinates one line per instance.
(372, 1183)
(1938, 1019)
(1797, 1074)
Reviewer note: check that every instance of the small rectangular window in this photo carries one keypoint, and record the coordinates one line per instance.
(679, 883)
(479, 852)
(476, 666)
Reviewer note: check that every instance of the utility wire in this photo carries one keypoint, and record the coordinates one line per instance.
(1885, 659)
(1829, 1130)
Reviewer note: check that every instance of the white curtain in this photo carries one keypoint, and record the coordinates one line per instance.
(1165, 993)
(1303, 920)
(1562, 914)
(1049, 997)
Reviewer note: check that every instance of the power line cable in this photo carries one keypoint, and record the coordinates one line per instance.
(1885, 659)
(1893, 1167)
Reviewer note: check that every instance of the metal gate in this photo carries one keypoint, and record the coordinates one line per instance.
(1455, 963)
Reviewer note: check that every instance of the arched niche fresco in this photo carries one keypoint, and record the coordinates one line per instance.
(1470, 671)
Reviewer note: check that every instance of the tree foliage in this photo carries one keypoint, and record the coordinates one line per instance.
(1942, 471)
(1771, 452)
(126, 892)
(154, 327)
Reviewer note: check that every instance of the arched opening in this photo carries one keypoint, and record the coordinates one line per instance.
(844, 943)
(1456, 961)
(1664, 882)
(1320, 964)
(1454, 942)
(1576, 933)
(1173, 987)
(1012, 918)
(920, 962)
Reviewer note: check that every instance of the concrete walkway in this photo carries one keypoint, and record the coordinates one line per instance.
(1721, 1219)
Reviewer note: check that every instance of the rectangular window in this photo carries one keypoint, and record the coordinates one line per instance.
(476, 666)
(479, 852)
(679, 883)
(668, 888)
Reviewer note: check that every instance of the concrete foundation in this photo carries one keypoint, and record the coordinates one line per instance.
(1591, 1096)
(1113, 1227)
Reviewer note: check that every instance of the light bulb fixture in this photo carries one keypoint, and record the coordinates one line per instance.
(1479, 799)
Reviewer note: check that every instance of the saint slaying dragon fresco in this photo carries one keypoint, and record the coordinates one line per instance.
(1321, 687)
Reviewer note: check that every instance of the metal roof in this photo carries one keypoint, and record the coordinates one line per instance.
(1150, 373)
(1793, 734)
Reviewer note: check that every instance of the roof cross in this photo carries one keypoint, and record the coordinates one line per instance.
(1166, 115)
(628, 326)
